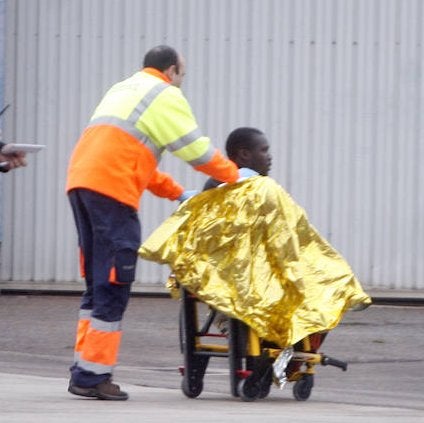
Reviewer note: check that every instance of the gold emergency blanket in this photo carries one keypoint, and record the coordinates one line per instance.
(248, 250)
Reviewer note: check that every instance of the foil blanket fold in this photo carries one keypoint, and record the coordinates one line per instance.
(248, 250)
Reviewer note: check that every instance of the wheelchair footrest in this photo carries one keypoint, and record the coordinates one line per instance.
(328, 361)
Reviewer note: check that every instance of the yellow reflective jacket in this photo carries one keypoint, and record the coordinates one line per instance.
(134, 124)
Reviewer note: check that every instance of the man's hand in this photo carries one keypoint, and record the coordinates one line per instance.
(12, 160)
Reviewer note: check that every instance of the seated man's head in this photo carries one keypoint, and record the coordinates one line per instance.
(248, 147)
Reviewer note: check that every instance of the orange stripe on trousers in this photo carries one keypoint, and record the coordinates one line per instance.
(101, 347)
(82, 328)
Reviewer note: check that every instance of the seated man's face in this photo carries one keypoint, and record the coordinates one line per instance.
(260, 156)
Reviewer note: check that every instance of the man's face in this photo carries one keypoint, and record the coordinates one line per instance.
(177, 73)
(260, 156)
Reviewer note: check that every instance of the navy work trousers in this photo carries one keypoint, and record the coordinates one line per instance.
(109, 236)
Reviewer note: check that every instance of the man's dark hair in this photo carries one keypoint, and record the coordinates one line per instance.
(241, 138)
(161, 58)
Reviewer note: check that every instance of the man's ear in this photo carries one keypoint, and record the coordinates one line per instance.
(245, 154)
(171, 71)
(244, 157)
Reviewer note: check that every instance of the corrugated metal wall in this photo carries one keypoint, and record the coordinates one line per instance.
(336, 85)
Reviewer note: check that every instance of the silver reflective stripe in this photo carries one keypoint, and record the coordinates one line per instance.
(84, 314)
(128, 125)
(118, 122)
(76, 357)
(98, 369)
(205, 158)
(105, 326)
(145, 102)
(157, 152)
(130, 129)
(184, 141)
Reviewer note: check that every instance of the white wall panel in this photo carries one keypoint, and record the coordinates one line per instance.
(336, 85)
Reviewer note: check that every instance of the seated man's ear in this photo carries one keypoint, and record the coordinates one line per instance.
(245, 154)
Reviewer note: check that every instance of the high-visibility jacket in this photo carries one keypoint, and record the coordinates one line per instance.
(135, 123)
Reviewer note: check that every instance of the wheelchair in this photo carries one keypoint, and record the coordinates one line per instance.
(250, 359)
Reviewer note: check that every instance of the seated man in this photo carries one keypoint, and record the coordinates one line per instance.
(247, 148)
(248, 250)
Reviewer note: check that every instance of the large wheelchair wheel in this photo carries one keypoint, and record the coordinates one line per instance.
(191, 387)
(236, 353)
(266, 383)
(303, 387)
(194, 362)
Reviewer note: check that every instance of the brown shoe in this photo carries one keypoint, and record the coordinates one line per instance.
(83, 392)
(104, 391)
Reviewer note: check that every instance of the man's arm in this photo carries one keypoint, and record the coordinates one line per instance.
(179, 133)
(211, 183)
(163, 185)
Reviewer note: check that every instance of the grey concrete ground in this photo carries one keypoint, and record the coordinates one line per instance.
(384, 346)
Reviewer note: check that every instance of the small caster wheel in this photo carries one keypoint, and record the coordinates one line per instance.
(303, 387)
(248, 391)
(191, 388)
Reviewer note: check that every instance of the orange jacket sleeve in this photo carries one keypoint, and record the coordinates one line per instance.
(220, 168)
(163, 185)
